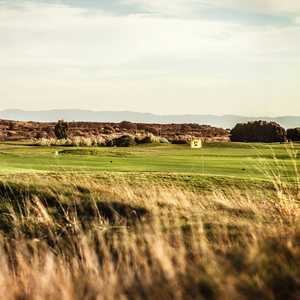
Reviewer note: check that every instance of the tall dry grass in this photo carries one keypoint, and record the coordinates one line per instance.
(68, 237)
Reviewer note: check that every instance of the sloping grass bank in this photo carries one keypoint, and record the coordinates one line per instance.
(69, 237)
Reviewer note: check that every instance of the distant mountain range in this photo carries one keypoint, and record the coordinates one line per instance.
(225, 121)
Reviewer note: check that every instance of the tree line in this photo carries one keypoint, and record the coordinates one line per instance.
(257, 131)
(263, 132)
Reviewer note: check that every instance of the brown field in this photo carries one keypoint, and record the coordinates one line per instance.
(14, 131)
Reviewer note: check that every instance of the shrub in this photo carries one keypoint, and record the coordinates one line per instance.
(86, 142)
(110, 143)
(95, 141)
(149, 139)
(77, 141)
(98, 141)
(121, 141)
(181, 139)
(293, 134)
(43, 142)
(258, 131)
(61, 130)
(124, 141)
(143, 140)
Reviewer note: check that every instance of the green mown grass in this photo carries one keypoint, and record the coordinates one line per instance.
(228, 160)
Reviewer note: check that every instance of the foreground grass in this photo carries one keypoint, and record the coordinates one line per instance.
(79, 237)
(162, 222)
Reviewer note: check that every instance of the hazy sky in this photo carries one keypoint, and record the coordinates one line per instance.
(160, 56)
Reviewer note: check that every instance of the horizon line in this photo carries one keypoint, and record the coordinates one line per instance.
(140, 112)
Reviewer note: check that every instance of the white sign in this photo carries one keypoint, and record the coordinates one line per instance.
(196, 144)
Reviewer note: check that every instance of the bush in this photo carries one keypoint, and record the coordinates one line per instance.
(61, 130)
(77, 141)
(293, 134)
(181, 139)
(143, 140)
(258, 131)
(150, 139)
(122, 141)
(110, 143)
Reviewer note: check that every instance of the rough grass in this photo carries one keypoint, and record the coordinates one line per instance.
(68, 237)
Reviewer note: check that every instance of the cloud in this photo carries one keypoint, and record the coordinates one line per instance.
(259, 6)
(42, 34)
(59, 36)
(68, 52)
(246, 11)
(178, 7)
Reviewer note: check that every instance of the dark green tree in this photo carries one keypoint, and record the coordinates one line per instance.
(258, 131)
(293, 134)
(61, 130)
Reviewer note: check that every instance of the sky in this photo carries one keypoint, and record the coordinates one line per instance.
(159, 56)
